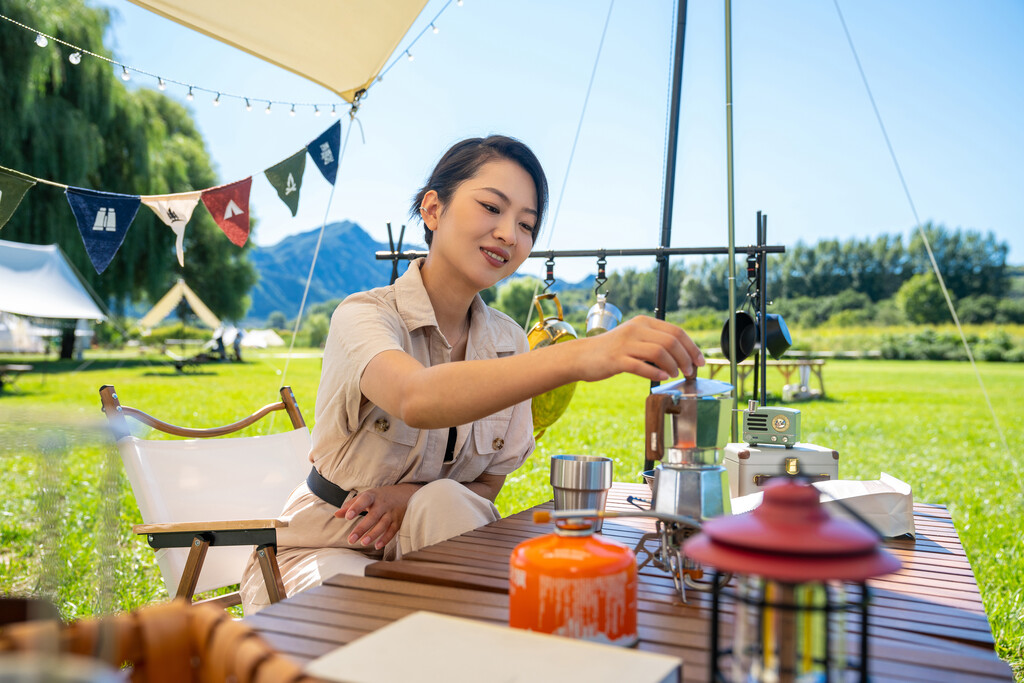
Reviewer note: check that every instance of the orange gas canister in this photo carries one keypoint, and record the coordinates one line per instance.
(574, 583)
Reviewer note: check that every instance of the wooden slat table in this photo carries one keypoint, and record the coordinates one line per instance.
(928, 622)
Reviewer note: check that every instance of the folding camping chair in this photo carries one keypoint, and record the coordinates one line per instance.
(213, 497)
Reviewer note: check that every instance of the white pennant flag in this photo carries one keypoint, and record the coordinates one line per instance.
(175, 210)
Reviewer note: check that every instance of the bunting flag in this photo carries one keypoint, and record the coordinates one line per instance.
(13, 186)
(325, 150)
(286, 177)
(103, 219)
(229, 206)
(175, 210)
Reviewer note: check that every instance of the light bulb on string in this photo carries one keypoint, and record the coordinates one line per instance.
(434, 29)
(190, 96)
(41, 40)
(248, 104)
(267, 111)
(334, 110)
(292, 112)
(316, 110)
(409, 55)
(160, 84)
(75, 58)
(216, 100)
(125, 76)
(458, 2)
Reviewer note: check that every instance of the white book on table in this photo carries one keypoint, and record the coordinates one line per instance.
(425, 646)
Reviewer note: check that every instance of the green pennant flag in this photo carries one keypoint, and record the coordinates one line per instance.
(286, 177)
(13, 186)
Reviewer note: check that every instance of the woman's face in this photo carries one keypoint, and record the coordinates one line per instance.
(486, 231)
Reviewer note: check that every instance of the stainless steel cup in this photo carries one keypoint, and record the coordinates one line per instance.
(581, 482)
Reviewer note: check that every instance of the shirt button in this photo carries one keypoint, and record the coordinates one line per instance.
(382, 425)
(498, 443)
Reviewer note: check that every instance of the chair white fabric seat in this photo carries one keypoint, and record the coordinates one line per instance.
(202, 480)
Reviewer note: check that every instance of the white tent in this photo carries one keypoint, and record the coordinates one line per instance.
(37, 280)
(169, 302)
(341, 44)
(261, 339)
(18, 335)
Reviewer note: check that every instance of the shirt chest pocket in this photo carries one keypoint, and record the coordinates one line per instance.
(390, 445)
(490, 433)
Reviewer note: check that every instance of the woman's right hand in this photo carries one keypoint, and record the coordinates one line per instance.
(382, 510)
(644, 346)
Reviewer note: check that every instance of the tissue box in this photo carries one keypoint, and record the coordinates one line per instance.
(751, 467)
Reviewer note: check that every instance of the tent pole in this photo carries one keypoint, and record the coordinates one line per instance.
(732, 217)
(670, 159)
(670, 171)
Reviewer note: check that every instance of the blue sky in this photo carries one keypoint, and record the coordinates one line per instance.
(947, 77)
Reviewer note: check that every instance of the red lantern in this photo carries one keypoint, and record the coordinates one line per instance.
(800, 578)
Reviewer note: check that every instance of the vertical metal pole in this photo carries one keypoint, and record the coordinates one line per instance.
(670, 170)
(762, 300)
(732, 216)
(670, 159)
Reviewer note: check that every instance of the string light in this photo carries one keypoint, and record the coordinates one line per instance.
(267, 112)
(77, 53)
(292, 112)
(458, 2)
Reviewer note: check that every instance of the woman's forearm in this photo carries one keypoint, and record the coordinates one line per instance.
(458, 393)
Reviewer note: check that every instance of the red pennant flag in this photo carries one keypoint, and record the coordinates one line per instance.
(229, 206)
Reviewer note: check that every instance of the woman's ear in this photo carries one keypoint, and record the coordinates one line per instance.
(430, 210)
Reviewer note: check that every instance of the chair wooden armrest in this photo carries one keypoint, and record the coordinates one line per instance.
(198, 537)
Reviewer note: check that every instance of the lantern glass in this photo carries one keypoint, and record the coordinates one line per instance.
(788, 633)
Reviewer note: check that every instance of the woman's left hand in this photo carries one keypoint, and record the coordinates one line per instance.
(384, 509)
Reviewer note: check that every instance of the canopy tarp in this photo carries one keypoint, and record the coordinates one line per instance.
(170, 301)
(341, 44)
(36, 280)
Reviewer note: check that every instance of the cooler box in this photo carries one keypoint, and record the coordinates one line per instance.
(751, 467)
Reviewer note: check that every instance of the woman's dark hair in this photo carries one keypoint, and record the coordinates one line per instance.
(464, 159)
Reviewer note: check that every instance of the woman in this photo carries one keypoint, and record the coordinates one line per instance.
(424, 403)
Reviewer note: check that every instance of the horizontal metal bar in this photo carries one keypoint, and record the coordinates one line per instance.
(593, 253)
(179, 539)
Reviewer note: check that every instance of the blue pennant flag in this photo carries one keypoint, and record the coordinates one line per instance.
(325, 151)
(103, 219)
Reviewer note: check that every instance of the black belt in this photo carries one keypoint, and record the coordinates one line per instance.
(325, 490)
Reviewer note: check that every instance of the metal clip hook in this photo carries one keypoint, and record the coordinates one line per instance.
(550, 263)
(601, 278)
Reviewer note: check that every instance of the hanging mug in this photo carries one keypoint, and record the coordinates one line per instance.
(602, 316)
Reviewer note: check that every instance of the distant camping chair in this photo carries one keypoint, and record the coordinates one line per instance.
(215, 497)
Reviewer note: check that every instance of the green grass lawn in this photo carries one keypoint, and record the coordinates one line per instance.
(925, 423)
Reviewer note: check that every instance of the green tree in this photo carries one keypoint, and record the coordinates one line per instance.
(516, 296)
(277, 320)
(316, 326)
(80, 125)
(971, 263)
(921, 300)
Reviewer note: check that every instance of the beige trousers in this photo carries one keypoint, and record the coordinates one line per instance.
(440, 510)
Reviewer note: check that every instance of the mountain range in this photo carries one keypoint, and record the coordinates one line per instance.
(346, 264)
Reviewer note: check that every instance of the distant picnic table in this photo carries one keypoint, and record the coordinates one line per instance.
(787, 366)
(10, 372)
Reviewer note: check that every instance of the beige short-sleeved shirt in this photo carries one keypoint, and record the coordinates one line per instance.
(357, 445)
